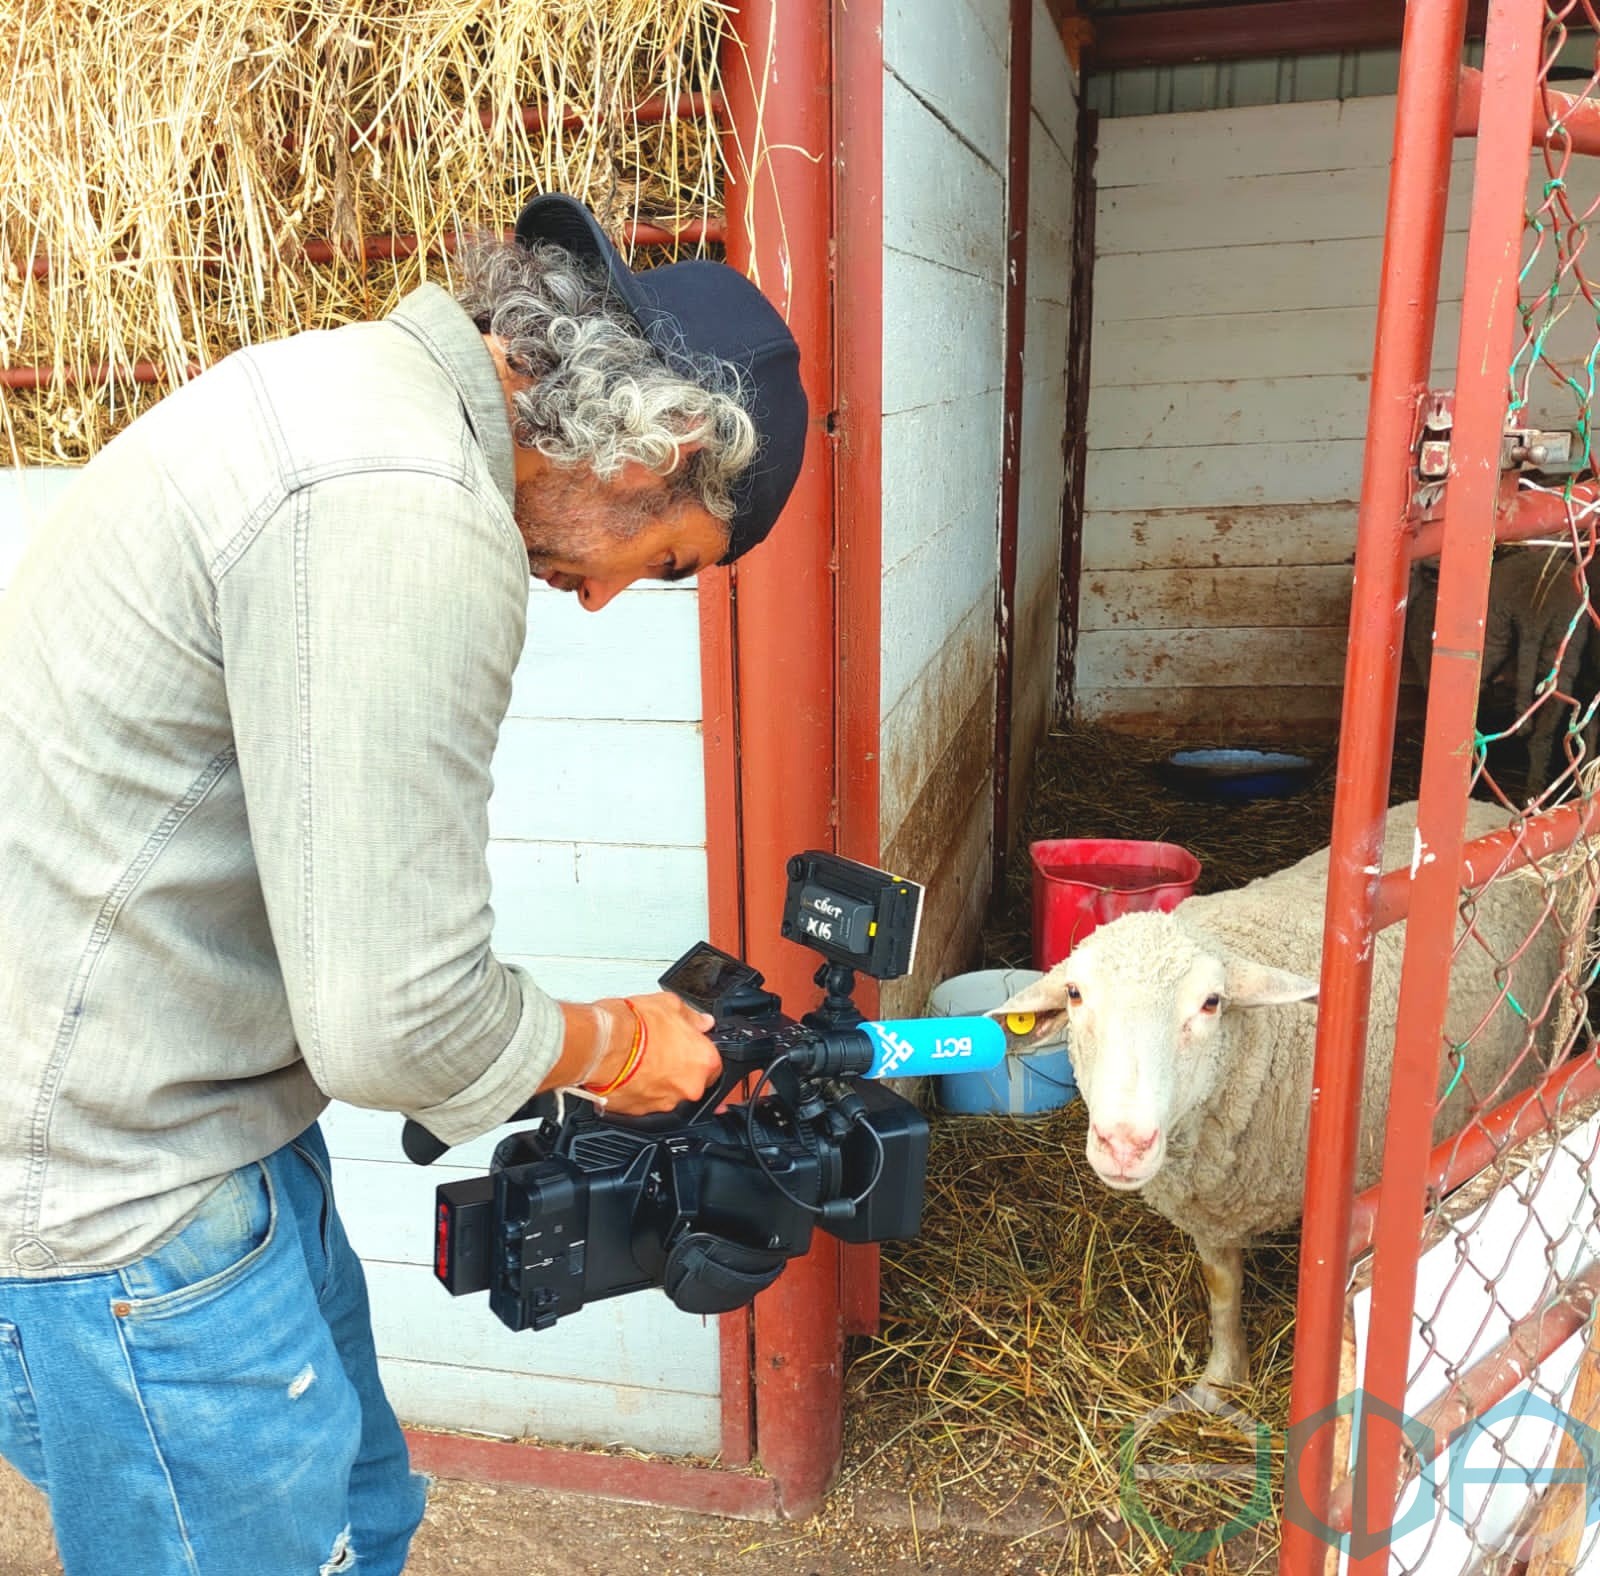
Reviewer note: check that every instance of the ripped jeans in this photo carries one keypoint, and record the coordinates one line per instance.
(214, 1408)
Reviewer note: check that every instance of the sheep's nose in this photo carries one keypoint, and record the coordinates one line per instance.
(1126, 1145)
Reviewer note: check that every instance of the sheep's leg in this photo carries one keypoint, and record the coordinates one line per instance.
(1562, 651)
(1541, 747)
(1229, 1363)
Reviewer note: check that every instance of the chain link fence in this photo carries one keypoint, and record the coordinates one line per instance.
(1490, 1460)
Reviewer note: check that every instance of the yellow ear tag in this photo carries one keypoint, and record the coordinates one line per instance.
(1020, 1022)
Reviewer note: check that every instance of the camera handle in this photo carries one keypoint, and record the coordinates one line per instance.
(422, 1148)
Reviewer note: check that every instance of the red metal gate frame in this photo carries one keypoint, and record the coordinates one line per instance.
(789, 681)
(795, 631)
(1436, 99)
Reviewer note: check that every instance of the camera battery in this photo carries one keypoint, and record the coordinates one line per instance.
(463, 1225)
(834, 919)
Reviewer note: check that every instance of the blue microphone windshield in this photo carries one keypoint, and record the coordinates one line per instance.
(911, 1047)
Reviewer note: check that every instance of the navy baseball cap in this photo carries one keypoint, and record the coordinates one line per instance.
(706, 309)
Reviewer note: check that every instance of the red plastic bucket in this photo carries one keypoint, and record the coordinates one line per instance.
(1081, 882)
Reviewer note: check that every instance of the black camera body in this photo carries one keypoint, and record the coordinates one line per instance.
(709, 1201)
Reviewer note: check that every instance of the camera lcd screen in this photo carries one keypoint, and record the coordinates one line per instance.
(704, 975)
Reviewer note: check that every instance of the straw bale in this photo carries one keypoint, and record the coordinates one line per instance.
(168, 165)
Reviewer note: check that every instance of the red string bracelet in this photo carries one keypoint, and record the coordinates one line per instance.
(635, 1055)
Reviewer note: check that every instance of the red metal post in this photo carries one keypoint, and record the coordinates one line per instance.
(858, 487)
(779, 86)
(719, 735)
(1413, 242)
(1488, 311)
(1075, 441)
(1018, 146)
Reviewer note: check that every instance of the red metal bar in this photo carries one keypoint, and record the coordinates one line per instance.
(95, 373)
(1545, 833)
(719, 738)
(1018, 148)
(1457, 1160)
(1413, 242)
(858, 489)
(1018, 154)
(647, 112)
(388, 248)
(1578, 118)
(705, 1489)
(1512, 60)
(1531, 513)
(1186, 35)
(1534, 1338)
(778, 80)
(534, 117)
(1080, 333)
(734, 1335)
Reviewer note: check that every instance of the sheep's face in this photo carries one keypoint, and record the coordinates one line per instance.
(1145, 1006)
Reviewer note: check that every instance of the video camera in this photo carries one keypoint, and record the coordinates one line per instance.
(706, 1201)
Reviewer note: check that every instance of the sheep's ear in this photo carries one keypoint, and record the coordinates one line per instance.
(1251, 984)
(1036, 1016)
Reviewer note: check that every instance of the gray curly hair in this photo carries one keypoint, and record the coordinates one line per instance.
(601, 393)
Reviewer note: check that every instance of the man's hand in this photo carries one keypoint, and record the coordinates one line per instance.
(677, 1063)
(663, 1039)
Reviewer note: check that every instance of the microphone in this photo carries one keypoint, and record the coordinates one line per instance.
(906, 1048)
(890, 1048)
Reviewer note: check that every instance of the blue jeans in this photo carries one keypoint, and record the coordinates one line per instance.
(214, 1409)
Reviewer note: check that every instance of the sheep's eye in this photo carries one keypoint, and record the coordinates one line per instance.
(1211, 1005)
(1074, 996)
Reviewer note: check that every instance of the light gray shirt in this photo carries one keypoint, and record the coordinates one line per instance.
(252, 670)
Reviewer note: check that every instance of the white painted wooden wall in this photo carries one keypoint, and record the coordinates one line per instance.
(1235, 295)
(944, 205)
(599, 883)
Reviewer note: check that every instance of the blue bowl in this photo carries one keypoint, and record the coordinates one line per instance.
(1019, 1086)
(1237, 774)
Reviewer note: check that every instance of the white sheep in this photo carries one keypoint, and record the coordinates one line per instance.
(1192, 1038)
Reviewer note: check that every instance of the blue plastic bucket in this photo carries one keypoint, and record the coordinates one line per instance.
(1020, 1085)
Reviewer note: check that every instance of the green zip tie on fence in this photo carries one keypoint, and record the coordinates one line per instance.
(1460, 1051)
(1461, 1066)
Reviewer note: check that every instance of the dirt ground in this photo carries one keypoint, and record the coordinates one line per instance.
(490, 1530)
